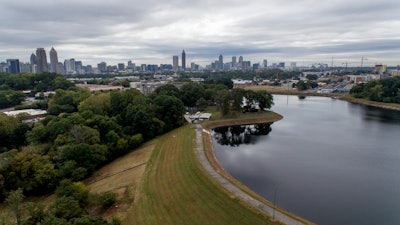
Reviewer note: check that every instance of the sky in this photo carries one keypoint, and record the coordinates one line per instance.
(152, 31)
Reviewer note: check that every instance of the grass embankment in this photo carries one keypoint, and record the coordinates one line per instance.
(177, 190)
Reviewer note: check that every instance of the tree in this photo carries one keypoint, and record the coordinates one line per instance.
(85, 155)
(170, 110)
(167, 89)
(191, 92)
(66, 101)
(265, 99)
(33, 172)
(89, 220)
(8, 126)
(98, 104)
(14, 200)
(79, 134)
(66, 208)
(301, 85)
(201, 104)
(76, 190)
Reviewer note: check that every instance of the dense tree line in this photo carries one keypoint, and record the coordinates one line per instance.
(84, 130)
(383, 90)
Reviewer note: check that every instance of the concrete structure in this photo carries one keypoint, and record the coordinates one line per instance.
(31, 112)
(362, 78)
(242, 83)
(95, 87)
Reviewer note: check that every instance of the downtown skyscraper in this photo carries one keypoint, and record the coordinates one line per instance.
(175, 62)
(41, 60)
(53, 60)
(183, 60)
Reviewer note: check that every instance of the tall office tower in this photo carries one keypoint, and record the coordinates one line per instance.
(233, 61)
(121, 66)
(175, 62)
(25, 67)
(33, 59)
(53, 60)
(240, 60)
(41, 60)
(60, 68)
(130, 65)
(183, 60)
(70, 67)
(220, 62)
(13, 66)
(293, 66)
(265, 64)
(102, 67)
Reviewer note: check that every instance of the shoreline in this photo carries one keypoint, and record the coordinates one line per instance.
(211, 157)
(340, 96)
(253, 199)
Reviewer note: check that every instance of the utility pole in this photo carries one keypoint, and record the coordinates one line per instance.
(346, 66)
(273, 212)
(362, 61)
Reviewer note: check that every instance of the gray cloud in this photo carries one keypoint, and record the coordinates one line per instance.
(153, 31)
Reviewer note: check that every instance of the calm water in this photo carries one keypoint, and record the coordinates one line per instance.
(330, 161)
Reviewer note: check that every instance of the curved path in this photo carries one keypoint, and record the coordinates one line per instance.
(235, 190)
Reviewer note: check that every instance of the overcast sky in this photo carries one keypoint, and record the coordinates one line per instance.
(152, 31)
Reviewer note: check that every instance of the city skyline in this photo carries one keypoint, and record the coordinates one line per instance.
(304, 32)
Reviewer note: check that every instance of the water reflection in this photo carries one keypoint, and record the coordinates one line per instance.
(236, 135)
(330, 160)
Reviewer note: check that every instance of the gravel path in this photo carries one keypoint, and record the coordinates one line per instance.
(235, 190)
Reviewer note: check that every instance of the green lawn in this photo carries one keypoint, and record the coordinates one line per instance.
(176, 189)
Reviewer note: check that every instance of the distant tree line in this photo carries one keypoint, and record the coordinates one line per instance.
(383, 90)
(11, 86)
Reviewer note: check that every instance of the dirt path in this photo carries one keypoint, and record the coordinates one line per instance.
(234, 189)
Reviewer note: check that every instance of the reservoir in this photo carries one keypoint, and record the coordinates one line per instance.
(329, 161)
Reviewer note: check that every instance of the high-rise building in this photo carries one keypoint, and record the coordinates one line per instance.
(220, 62)
(53, 60)
(175, 62)
(293, 66)
(183, 60)
(121, 66)
(41, 60)
(25, 67)
(265, 64)
(233, 61)
(33, 59)
(102, 67)
(70, 67)
(13, 66)
(131, 65)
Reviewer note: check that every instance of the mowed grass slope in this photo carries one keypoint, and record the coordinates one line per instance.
(176, 189)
